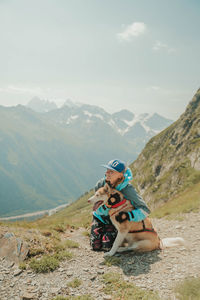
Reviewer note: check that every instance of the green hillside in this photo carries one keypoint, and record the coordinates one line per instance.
(170, 162)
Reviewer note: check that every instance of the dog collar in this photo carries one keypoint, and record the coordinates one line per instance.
(119, 204)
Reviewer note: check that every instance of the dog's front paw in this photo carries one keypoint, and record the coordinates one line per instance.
(121, 249)
(108, 254)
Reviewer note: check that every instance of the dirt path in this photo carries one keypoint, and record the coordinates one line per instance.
(157, 270)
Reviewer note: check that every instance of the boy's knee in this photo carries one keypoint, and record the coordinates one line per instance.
(96, 245)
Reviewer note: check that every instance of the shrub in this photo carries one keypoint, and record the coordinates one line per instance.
(35, 251)
(22, 266)
(62, 255)
(45, 264)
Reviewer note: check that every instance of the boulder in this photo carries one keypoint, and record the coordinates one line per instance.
(12, 248)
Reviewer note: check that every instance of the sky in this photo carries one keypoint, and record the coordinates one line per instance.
(141, 55)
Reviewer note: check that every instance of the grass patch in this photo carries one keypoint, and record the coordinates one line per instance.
(46, 233)
(59, 228)
(71, 244)
(111, 261)
(189, 289)
(86, 233)
(45, 264)
(63, 255)
(66, 244)
(22, 266)
(49, 263)
(74, 283)
(186, 202)
(120, 289)
(35, 251)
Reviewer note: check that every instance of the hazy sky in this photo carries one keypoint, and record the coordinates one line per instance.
(142, 55)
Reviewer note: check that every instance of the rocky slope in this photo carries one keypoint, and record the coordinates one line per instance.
(170, 162)
(158, 270)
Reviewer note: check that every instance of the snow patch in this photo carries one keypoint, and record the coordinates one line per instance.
(115, 127)
(74, 117)
(88, 121)
(87, 113)
(99, 116)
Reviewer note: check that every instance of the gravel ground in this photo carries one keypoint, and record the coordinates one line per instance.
(158, 270)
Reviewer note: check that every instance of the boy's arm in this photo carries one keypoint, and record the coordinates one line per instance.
(135, 215)
(130, 194)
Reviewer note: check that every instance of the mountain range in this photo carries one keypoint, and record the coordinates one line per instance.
(52, 157)
(136, 129)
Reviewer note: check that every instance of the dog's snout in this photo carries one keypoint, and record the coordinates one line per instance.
(90, 199)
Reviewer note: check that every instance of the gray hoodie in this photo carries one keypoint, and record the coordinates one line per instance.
(130, 194)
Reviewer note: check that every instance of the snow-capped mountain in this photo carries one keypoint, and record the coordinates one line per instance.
(91, 119)
(123, 122)
(42, 106)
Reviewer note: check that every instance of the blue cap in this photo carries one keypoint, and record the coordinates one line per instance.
(115, 165)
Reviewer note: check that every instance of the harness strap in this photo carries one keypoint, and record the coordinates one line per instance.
(143, 229)
(104, 207)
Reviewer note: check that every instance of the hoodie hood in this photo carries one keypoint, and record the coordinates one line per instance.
(128, 177)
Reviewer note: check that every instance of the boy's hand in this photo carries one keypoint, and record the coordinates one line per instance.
(122, 216)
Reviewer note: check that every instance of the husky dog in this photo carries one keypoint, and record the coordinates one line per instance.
(140, 236)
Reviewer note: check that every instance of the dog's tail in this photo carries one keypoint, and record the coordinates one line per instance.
(172, 242)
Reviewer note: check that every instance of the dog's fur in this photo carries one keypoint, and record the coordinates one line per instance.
(140, 241)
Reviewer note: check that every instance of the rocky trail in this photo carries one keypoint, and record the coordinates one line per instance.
(158, 270)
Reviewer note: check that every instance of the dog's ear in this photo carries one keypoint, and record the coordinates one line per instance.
(107, 188)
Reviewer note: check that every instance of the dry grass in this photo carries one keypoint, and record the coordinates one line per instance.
(120, 289)
(189, 289)
(186, 202)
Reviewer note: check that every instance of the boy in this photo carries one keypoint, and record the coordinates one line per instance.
(103, 233)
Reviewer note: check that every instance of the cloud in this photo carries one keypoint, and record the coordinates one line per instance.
(21, 90)
(134, 30)
(161, 46)
(154, 88)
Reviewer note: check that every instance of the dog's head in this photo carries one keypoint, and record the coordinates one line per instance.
(105, 195)
(101, 194)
